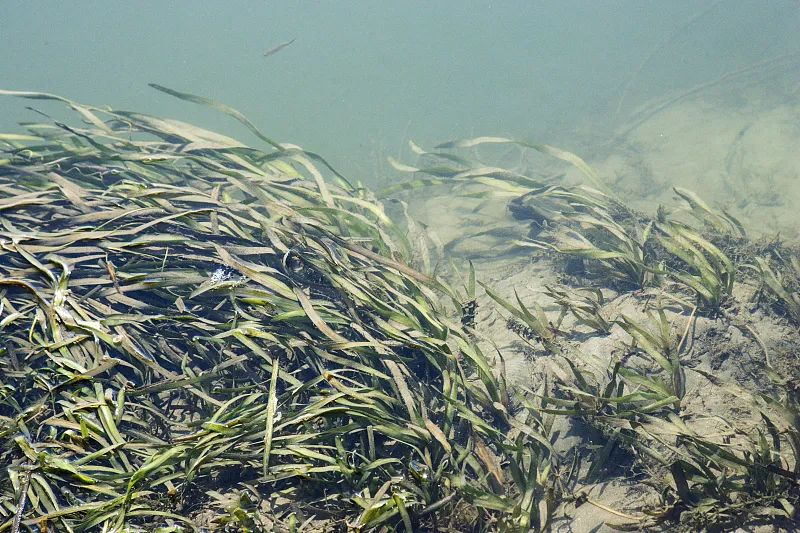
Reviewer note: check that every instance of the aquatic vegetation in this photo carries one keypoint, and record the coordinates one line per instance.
(446, 167)
(782, 284)
(659, 344)
(705, 269)
(708, 470)
(719, 220)
(580, 222)
(193, 329)
(624, 393)
(588, 231)
(704, 481)
(466, 299)
(613, 243)
(532, 325)
(585, 305)
(198, 334)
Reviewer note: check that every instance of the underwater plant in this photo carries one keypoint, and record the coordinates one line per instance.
(602, 241)
(657, 342)
(585, 305)
(705, 268)
(782, 284)
(190, 327)
(528, 325)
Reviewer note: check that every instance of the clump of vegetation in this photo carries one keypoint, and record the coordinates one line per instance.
(781, 284)
(707, 477)
(529, 325)
(656, 341)
(193, 330)
(585, 305)
(704, 268)
(590, 233)
(616, 246)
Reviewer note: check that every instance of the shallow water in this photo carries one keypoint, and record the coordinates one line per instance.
(695, 94)
(362, 78)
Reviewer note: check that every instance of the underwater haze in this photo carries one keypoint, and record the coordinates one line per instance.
(362, 78)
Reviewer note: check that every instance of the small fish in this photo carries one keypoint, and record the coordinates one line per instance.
(277, 48)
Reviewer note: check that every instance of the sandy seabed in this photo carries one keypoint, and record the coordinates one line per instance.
(738, 151)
